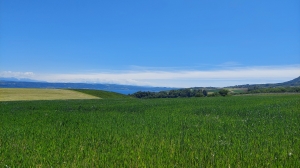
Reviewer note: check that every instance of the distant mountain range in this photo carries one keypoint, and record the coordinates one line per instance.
(124, 89)
(291, 83)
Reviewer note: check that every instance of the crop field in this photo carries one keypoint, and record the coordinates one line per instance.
(236, 131)
(13, 94)
(237, 90)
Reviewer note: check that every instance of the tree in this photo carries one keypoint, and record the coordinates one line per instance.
(204, 93)
(223, 92)
(199, 94)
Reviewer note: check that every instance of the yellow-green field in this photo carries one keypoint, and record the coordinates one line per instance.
(15, 94)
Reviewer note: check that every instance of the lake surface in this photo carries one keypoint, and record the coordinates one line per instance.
(125, 92)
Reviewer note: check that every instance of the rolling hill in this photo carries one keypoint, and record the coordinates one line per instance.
(101, 93)
(291, 83)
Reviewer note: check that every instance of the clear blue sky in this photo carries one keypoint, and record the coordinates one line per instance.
(192, 43)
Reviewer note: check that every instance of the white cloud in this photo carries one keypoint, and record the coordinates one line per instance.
(175, 78)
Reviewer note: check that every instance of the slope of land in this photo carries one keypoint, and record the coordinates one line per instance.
(294, 82)
(101, 93)
(291, 83)
(16, 94)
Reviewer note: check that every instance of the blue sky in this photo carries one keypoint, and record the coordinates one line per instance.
(157, 43)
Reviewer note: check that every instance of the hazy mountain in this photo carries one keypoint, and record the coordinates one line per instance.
(124, 89)
(294, 82)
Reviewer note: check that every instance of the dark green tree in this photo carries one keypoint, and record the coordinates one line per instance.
(204, 93)
(223, 92)
(199, 94)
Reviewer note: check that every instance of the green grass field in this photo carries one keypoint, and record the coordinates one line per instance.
(236, 131)
(101, 93)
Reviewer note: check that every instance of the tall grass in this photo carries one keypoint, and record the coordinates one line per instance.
(244, 131)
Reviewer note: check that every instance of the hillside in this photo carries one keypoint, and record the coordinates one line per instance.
(294, 82)
(101, 93)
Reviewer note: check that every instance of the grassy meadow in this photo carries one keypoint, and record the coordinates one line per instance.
(236, 131)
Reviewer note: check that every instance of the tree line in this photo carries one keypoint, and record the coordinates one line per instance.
(179, 93)
(171, 93)
(196, 92)
(256, 89)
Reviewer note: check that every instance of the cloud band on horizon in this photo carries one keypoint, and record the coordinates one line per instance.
(173, 78)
